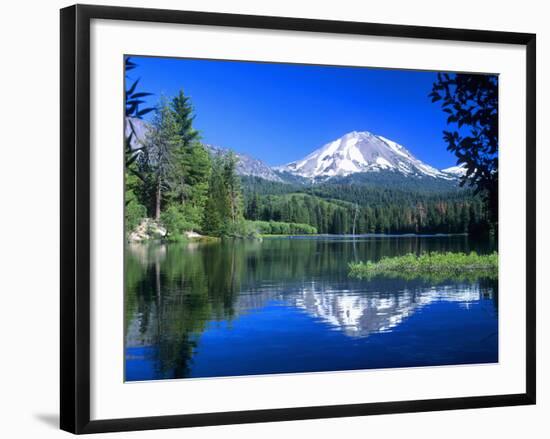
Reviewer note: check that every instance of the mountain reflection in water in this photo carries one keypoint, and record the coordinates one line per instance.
(281, 306)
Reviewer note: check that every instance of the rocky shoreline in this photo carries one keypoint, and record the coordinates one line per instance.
(152, 230)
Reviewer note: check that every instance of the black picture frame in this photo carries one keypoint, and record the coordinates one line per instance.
(75, 217)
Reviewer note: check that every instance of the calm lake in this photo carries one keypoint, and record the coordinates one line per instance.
(288, 305)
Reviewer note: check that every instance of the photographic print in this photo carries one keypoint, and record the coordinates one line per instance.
(292, 218)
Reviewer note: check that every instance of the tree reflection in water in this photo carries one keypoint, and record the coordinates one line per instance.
(175, 292)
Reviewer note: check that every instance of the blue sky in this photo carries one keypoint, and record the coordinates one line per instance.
(279, 113)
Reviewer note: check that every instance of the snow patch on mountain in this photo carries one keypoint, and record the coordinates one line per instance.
(457, 171)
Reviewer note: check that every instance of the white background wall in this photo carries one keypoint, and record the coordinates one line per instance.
(29, 200)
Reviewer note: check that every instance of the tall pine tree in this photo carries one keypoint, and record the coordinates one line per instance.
(161, 145)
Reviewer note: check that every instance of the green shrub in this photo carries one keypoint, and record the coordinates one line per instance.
(241, 229)
(281, 228)
(176, 223)
(134, 214)
(435, 265)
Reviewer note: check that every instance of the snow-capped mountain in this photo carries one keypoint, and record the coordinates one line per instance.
(356, 155)
(358, 152)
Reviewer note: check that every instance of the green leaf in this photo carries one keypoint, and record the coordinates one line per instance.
(144, 112)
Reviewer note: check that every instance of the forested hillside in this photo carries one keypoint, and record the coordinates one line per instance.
(358, 210)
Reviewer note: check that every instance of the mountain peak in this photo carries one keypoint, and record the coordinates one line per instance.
(358, 135)
(360, 151)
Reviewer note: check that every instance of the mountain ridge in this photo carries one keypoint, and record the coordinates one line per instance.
(354, 157)
(247, 165)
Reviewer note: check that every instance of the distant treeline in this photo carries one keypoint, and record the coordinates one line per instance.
(282, 228)
(338, 209)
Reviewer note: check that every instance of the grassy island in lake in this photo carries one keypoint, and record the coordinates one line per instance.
(461, 266)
